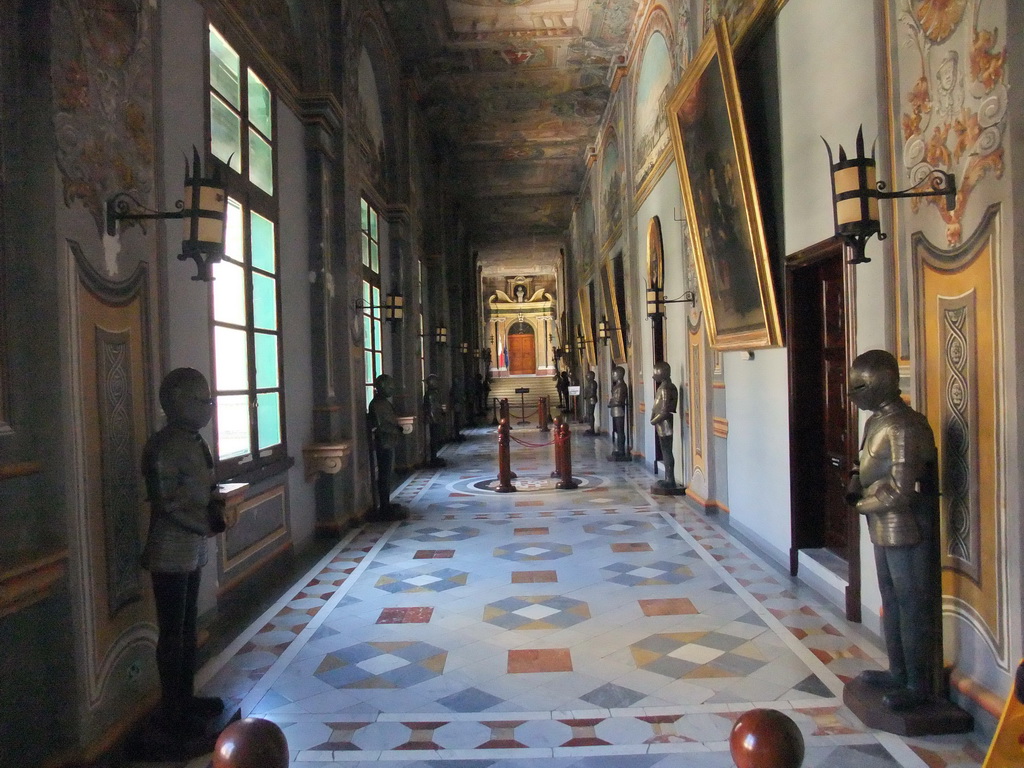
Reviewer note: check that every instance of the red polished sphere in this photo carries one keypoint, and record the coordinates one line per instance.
(251, 743)
(766, 738)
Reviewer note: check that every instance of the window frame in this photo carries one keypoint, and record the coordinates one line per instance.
(252, 199)
(370, 301)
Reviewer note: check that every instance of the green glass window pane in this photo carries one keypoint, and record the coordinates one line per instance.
(373, 225)
(367, 331)
(263, 249)
(366, 293)
(264, 302)
(364, 212)
(378, 364)
(228, 293)
(231, 361)
(375, 300)
(233, 233)
(261, 163)
(224, 69)
(368, 366)
(374, 258)
(225, 133)
(368, 394)
(268, 419)
(377, 339)
(233, 435)
(266, 360)
(259, 106)
(365, 248)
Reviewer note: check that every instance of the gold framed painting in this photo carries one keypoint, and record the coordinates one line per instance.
(586, 326)
(716, 175)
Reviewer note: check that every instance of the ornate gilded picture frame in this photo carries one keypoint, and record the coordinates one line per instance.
(586, 325)
(709, 139)
(613, 313)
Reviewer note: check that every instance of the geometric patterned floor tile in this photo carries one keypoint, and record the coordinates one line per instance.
(619, 528)
(411, 615)
(420, 581)
(470, 700)
(632, 546)
(668, 606)
(381, 665)
(536, 612)
(460, 533)
(693, 655)
(534, 577)
(652, 574)
(611, 696)
(539, 660)
(536, 550)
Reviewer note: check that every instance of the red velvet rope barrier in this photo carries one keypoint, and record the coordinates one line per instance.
(532, 445)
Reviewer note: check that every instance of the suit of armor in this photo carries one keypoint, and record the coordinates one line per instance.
(617, 409)
(385, 432)
(666, 403)
(895, 488)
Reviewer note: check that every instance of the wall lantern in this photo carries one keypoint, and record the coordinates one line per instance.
(604, 330)
(464, 347)
(441, 335)
(581, 340)
(393, 306)
(856, 192)
(656, 301)
(203, 211)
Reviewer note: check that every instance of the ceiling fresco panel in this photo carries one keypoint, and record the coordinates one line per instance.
(515, 91)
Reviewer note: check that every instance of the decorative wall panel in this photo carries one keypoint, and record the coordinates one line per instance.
(960, 342)
(109, 325)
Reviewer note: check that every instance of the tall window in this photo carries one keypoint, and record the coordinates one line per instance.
(373, 353)
(247, 375)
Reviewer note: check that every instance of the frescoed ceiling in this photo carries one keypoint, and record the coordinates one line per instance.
(514, 91)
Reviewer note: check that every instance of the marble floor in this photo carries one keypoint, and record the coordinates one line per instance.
(600, 627)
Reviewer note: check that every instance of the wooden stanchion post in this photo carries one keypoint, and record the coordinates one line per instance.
(504, 460)
(557, 471)
(568, 482)
(542, 415)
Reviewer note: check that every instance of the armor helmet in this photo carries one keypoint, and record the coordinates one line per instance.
(874, 379)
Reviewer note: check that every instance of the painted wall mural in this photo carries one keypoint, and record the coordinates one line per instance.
(650, 116)
(611, 187)
(102, 76)
(954, 94)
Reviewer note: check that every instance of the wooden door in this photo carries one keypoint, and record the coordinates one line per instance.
(522, 354)
(822, 421)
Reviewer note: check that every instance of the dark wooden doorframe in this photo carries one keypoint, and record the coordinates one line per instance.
(812, 483)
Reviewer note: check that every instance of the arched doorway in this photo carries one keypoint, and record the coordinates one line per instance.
(522, 350)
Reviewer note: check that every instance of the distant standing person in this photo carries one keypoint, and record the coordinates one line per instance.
(590, 398)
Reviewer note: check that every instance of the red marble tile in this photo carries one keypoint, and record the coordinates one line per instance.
(632, 546)
(433, 554)
(410, 615)
(668, 606)
(540, 531)
(539, 660)
(529, 503)
(534, 577)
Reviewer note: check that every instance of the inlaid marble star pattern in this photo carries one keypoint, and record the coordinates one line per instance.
(634, 656)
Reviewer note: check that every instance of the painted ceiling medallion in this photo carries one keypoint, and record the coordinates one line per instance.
(514, 57)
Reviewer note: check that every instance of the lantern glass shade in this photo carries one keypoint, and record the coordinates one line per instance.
(394, 306)
(441, 334)
(655, 302)
(203, 215)
(603, 332)
(855, 198)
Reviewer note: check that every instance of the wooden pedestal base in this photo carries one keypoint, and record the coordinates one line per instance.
(933, 719)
